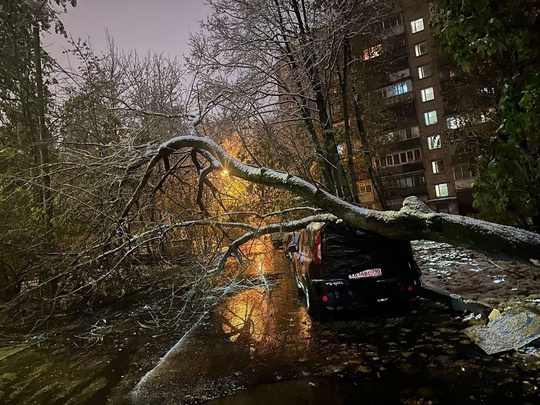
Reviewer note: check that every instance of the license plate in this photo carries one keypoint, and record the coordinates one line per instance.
(377, 272)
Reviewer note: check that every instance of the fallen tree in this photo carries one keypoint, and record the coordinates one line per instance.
(414, 221)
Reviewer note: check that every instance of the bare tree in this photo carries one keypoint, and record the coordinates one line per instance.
(290, 58)
(113, 237)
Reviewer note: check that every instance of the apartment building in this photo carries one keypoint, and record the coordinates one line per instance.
(418, 91)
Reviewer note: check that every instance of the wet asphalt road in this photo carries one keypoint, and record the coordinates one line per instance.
(262, 348)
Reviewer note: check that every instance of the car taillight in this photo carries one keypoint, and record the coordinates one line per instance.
(317, 248)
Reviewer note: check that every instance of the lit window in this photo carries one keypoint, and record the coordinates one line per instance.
(417, 25)
(427, 94)
(434, 142)
(430, 117)
(454, 122)
(373, 52)
(441, 190)
(437, 166)
(397, 89)
(485, 90)
(365, 188)
(420, 49)
(401, 88)
(406, 182)
(424, 71)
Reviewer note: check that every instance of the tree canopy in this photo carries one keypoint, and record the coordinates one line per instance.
(502, 39)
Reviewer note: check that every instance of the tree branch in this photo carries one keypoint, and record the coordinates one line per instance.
(413, 221)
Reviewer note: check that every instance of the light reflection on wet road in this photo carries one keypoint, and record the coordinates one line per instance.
(264, 347)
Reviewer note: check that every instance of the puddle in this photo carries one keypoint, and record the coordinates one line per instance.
(262, 348)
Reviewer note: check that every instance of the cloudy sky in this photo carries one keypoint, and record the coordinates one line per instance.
(159, 26)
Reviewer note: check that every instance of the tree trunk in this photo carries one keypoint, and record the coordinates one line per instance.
(343, 82)
(43, 134)
(413, 221)
(373, 175)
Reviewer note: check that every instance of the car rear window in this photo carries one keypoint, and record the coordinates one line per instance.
(346, 250)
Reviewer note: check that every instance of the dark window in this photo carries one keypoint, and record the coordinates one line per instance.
(407, 181)
(462, 172)
(392, 21)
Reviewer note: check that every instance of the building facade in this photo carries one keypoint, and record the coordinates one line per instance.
(418, 91)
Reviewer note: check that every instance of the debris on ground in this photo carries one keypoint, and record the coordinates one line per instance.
(510, 330)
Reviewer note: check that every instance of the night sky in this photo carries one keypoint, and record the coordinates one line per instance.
(159, 26)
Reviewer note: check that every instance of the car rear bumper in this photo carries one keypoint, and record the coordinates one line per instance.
(353, 293)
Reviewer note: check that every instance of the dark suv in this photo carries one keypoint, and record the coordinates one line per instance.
(339, 266)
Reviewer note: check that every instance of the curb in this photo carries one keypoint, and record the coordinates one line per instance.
(454, 301)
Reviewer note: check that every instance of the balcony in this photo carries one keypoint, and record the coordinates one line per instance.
(410, 143)
(392, 171)
(402, 74)
(399, 99)
(406, 192)
(392, 32)
(412, 167)
(396, 53)
(404, 111)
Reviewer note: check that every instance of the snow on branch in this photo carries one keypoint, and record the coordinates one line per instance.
(256, 232)
(413, 221)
